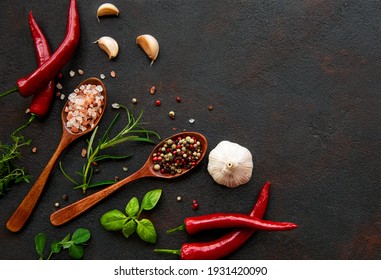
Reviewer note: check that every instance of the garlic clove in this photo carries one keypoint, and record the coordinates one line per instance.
(109, 45)
(230, 164)
(149, 45)
(107, 9)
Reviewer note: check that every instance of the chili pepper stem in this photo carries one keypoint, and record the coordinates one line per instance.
(168, 251)
(32, 117)
(9, 92)
(182, 227)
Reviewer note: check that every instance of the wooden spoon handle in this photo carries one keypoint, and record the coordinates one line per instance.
(23, 212)
(71, 211)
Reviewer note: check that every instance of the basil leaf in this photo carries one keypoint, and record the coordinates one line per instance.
(66, 239)
(150, 199)
(55, 247)
(76, 251)
(67, 244)
(40, 242)
(129, 228)
(132, 207)
(113, 220)
(81, 235)
(146, 230)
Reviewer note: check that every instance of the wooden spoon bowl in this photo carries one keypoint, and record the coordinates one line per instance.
(71, 211)
(23, 212)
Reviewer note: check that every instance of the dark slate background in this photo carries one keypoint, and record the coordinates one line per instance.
(296, 82)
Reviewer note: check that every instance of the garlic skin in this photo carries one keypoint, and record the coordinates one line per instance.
(149, 45)
(109, 45)
(230, 164)
(107, 9)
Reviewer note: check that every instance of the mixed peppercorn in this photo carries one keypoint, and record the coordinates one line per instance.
(177, 154)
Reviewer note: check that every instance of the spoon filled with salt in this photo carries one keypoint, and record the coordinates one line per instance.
(91, 93)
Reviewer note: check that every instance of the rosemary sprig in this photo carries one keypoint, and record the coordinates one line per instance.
(133, 131)
(9, 172)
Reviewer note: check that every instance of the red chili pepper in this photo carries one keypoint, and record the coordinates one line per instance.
(41, 101)
(40, 77)
(227, 244)
(196, 224)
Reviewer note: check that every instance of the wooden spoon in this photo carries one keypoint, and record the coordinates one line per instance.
(22, 213)
(147, 170)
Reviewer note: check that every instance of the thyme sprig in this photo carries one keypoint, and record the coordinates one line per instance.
(9, 172)
(133, 131)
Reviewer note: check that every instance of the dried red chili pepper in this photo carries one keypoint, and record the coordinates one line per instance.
(196, 224)
(41, 101)
(40, 77)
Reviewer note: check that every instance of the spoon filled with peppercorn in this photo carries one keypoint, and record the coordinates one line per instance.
(171, 158)
(80, 115)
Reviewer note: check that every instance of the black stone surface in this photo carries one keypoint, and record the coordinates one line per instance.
(296, 82)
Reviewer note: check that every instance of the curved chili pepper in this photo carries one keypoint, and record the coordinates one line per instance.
(227, 244)
(41, 101)
(41, 76)
(196, 224)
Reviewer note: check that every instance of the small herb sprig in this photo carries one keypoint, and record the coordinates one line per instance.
(75, 244)
(133, 131)
(9, 172)
(116, 220)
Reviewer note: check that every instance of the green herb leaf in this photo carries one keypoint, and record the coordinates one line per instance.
(66, 239)
(129, 228)
(67, 244)
(113, 220)
(81, 235)
(9, 172)
(150, 199)
(103, 157)
(55, 247)
(146, 231)
(40, 242)
(76, 251)
(132, 207)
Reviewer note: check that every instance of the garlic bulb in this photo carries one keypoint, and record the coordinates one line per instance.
(230, 164)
